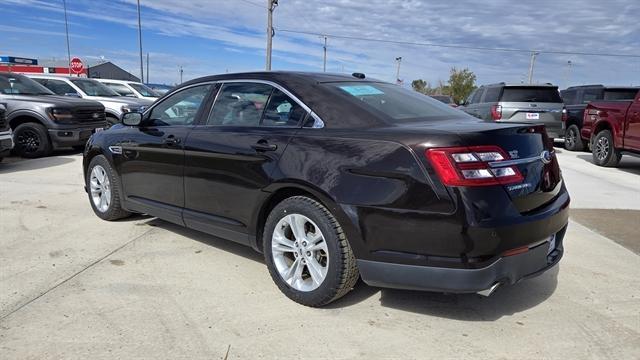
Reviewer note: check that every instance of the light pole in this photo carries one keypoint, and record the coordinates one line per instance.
(140, 44)
(324, 62)
(531, 64)
(66, 28)
(271, 5)
(568, 77)
(399, 61)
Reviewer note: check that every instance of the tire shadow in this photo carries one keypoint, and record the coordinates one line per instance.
(629, 164)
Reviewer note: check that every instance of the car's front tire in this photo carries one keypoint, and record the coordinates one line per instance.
(307, 252)
(603, 150)
(104, 190)
(31, 140)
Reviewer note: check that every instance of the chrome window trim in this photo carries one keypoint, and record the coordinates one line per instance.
(318, 123)
(503, 163)
(156, 103)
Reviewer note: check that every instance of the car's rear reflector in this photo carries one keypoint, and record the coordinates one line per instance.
(469, 166)
(516, 251)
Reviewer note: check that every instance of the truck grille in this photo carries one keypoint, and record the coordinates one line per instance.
(89, 115)
(4, 124)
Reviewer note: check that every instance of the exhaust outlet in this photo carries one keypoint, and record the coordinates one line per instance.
(489, 291)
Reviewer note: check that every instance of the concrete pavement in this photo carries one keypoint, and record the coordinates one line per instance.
(73, 286)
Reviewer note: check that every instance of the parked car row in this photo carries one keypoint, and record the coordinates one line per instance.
(40, 113)
(609, 128)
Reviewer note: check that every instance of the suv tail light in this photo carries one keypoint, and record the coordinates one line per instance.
(469, 166)
(496, 112)
(565, 115)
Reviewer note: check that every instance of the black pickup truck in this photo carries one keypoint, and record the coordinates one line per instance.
(42, 121)
(576, 99)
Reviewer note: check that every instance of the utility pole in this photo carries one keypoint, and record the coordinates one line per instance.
(147, 68)
(271, 5)
(181, 71)
(567, 79)
(533, 61)
(140, 44)
(66, 28)
(399, 61)
(324, 62)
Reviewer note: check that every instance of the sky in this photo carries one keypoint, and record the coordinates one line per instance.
(215, 36)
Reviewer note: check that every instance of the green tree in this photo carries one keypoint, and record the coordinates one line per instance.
(419, 85)
(424, 87)
(461, 83)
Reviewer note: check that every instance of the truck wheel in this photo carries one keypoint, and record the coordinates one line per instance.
(572, 139)
(31, 140)
(307, 252)
(603, 150)
(104, 190)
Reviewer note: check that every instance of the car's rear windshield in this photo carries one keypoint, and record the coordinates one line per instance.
(531, 94)
(21, 85)
(395, 101)
(94, 88)
(620, 94)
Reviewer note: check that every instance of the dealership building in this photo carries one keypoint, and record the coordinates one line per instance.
(101, 69)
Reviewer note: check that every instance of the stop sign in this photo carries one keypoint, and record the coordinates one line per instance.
(76, 65)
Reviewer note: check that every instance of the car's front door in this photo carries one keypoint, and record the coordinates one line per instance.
(153, 154)
(231, 156)
(632, 127)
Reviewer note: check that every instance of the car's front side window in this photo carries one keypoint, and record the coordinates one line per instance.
(181, 108)
(240, 104)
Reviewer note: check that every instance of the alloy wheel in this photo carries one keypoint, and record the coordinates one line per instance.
(602, 148)
(300, 252)
(571, 138)
(100, 188)
(28, 140)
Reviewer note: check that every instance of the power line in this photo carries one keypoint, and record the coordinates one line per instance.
(456, 46)
(252, 3)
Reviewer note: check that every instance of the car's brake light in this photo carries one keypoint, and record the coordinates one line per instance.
(565, 115)
(496, 112)
(469, 166)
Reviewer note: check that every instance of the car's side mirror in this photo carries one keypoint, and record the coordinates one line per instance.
(132, 119)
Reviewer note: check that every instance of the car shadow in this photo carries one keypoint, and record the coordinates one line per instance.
(628, 163)
(15, 164)
(505, 301)
(204, 238)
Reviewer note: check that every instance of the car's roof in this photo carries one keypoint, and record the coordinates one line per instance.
(521, 85)
(283, 76)
(600, 86)
(116, 81)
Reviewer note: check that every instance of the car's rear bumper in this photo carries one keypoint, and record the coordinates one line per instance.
(505, 270)
(6, 143)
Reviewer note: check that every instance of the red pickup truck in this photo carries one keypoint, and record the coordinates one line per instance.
(612, 128)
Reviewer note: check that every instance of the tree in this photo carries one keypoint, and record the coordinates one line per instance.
(419, 85)
(461, 83)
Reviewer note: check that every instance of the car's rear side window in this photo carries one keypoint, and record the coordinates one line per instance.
(492, 94)
(531, 94)
(394, 101)
(569, 97)
(620, 94)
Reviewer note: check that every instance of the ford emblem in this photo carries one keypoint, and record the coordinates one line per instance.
(546, 157)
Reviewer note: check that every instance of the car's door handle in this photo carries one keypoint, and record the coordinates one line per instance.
(172, 140)
(263, 145)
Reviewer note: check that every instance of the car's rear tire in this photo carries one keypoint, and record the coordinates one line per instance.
(304, 244)
(104, 190)
(573, 140)
(603, 150)
(78, 147)
(31, 141)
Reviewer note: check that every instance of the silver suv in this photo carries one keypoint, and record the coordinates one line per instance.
(535, 104)
(115, 105)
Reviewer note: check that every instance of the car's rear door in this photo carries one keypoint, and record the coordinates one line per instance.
(231, 156)
(152, 164)
(632, 127)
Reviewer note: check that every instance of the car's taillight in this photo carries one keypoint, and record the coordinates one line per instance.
(496, 112)
(470, 166)
(565, 115)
